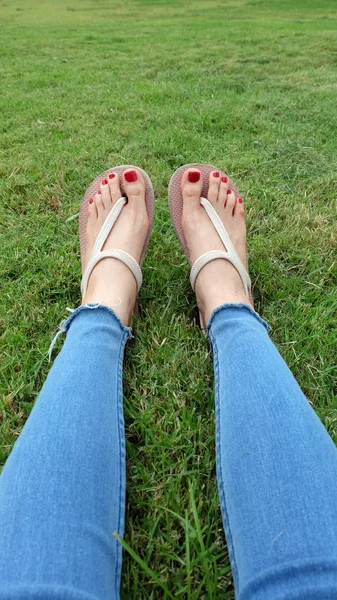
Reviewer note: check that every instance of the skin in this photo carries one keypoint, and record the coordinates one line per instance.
(112, 283)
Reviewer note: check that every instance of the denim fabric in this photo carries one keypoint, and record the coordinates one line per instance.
(276, 466)
(62, 490)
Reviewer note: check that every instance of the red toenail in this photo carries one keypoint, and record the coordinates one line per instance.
(112, 175)
(91, 200)
(224, 179)
(130, 176)
(229, 191)
(105, 182)
(216, 174)
(99, 192)
(193, 176)
(240, 200)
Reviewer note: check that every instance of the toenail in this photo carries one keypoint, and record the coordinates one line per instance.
(99, 192)
(229, 191)
(112, 175)
(105, 182)
(91, 200)
(240, 200)
(216, 174)
(224, 179)
(130, 176)
(193, 176)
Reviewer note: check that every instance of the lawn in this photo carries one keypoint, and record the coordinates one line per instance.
(247, 85)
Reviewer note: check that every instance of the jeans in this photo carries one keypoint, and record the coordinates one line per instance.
(62, 490)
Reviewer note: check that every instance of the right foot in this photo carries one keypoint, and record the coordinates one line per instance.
(218, 282)
(111, 281)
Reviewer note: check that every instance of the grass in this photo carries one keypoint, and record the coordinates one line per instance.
(248, 85)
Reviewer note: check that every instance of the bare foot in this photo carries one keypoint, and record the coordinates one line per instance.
(111, 282)
(218, 282)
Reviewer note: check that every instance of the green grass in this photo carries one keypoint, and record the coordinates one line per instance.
(248, 85)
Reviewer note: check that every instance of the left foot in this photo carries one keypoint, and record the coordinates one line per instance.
(111, 282)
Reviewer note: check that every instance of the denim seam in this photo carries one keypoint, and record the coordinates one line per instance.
(126, 334)
(222, 494)
(122, 463)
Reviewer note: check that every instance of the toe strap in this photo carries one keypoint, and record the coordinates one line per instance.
(124, 257)
(97, 254)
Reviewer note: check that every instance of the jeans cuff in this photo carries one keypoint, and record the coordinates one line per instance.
(101, 307)
(239, 306)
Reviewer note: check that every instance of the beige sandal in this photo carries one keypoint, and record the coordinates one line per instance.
(176, 210)
(97, 253)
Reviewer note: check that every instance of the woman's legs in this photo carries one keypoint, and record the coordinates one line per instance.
(62, 491)
(277, 466)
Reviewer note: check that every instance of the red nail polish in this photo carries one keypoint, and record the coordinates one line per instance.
(105, 182)
(229, 191)
(240, 200)
(99, 192)
(193, 176)
(112, 175)
(130, 176)
(216, 174)
(91, 200)
(224, 179)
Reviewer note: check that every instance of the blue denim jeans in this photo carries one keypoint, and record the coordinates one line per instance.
(62, 491)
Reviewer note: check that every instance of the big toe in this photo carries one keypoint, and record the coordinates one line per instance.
(134, 186)
(191, 187)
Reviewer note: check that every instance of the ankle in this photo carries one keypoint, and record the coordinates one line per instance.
(216, 288)
(207, 308)
(122, 309)
(118, 292)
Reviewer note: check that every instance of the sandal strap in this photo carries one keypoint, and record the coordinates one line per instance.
(124, 257)
(206, 258)
(108, 225)
(97, 254)
(230, 254)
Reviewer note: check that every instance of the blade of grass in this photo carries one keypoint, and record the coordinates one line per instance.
(144, 566)
(201, 542)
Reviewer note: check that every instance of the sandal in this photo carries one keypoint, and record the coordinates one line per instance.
(176, 210)
(97, 253)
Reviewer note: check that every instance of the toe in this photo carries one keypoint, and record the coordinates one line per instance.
(213, 187)
(239, 208)
(223, 190)
(134, 186)
(105, 194)
(230, 202)
(115, 188)
(99, 205)
(92, 211)
(191, 186)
